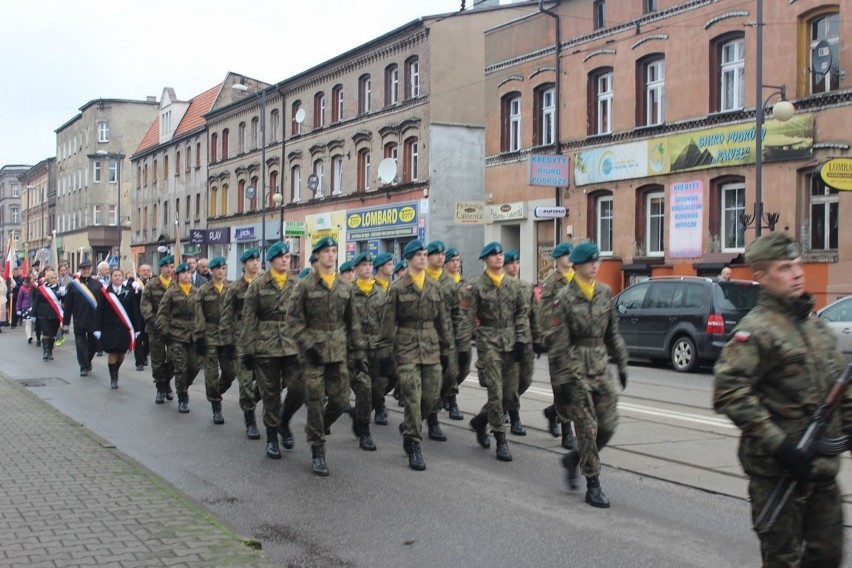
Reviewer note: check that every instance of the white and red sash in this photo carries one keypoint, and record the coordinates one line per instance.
(119, 310)
(52, 300)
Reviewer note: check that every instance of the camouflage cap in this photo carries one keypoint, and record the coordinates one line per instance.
(774, 246)
(511, 255)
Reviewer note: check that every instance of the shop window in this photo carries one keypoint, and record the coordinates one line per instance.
(544, 115)
(651, 95)
(824, 215)
(510, 136)
(727, 72)
(600, 93)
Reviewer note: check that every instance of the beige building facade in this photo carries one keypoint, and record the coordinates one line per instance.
(10, 203)
(38, 211)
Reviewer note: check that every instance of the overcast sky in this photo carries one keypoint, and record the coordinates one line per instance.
(57, 55)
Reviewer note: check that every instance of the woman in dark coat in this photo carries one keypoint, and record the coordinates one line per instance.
(46, 312)
(117, 322)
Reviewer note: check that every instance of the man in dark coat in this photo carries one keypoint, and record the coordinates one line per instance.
(81, 302)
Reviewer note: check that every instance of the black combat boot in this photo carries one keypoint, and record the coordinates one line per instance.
(505, 417)
(453, 410)
(365, 440)
(161, 394)
(50, 343)
(594, 494)
(272, 450)
(515, 420)
(169, 393)
(183, 402)
(251, 426)
(415, 456)
(569, 442)
(113, 375)
(44, 350)
(217, 412)
(287, 439)
(478, 424)
(318, 464)
(435, 432)
(503, 453)
(552, 422)
(570, 462)
(381, 417)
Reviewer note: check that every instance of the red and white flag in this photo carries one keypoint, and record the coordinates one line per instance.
(10, 260)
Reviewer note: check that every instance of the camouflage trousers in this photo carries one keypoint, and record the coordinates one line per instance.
(326, 394)
(809, 529)
(592, 402)
(249, 390)
(273, 375)
(185, 362)
(518, 380)
(449, 378)
(420, 388)
(162, 368)
(369, 389)
(214, 360)
(494, 368)
(557, 382)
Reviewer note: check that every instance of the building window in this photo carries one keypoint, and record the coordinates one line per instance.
(652, 96)
(733, 207)
(603, 223)
(214, 145)
(649, 6)
(336, 175)
(197, 206)
(275, 120)
(96, 215)
(391, 84)
(257, 133)
(295, 126)
(188, 157)
(544, 128)
(103, 132)
(295, 184)
(365, 93)
(412, 160)
(391, 150)
(16, 215)
(253, 201)
(600, 103)
(732, 75)
(155, 172)
(363, 169)
(241, 137)
(198, 154)
(510, 139)
(825, 28)
(337, 103)
(166, 167)
(177, 162)
(224, 206)
(824, 211)
(241, 196)
(319, 110)
(96, 172)
(113, 171)
(273, 189)
(412, 78)
(599, 14)
(319, 170)
(225, 134)
(214, 195)
(655, 220)
(16, 190)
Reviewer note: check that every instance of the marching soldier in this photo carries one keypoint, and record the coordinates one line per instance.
(585, 335)
(347, 272)
(550, 287)
(383, 265)
(268, 348)
(230, 329)
(162, 367)
(520, 376)
(503, 331)
(384, 274)
(416, 326)
(209, 341)
(176, 326)
(774, 372)
(81, 302)
(323, 320)
(399, 268)
(452, 266)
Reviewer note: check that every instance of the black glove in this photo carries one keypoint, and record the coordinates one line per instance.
(464, 360)
(248, 362)
(230, 351)
(313, 355)
(518, 351)
(794, 460)
(445, 363)
(622, 377)
(538, 349)
(201, 347)
(167, 339)
(386, 367)
(482, 382)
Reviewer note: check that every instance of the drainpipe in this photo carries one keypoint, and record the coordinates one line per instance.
(558, 110)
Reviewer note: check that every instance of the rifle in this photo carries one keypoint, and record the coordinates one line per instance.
(811, 443)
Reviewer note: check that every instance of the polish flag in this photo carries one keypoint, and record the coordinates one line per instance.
(25, 266)
(10, 261)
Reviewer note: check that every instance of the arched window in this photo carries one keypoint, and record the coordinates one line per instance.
(214, 195)
(272, 189)
(275, 122)
(242, 137)
(411, 166)
(224, 207)
(651, 90)
(391, 84)
(544, 115)
(241, 196)
(253, 202)
(412, 78)
(599, 105)
(601, 217)
(295, 126)
(295, 184)
(319, 110)
(510, 122)
(365, 94)
(225, 133)
(214, 146)
(727, 72)
(337, 103)
(319, 170)
(363, 169)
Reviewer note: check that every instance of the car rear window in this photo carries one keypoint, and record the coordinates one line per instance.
(735, 297)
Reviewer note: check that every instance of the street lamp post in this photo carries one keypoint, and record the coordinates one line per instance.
(261, 95)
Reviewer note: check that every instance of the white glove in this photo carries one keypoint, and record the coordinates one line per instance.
(137, 285)
(97, 334)
(62, 290)
(137, 334)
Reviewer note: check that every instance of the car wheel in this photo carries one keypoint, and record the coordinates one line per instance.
(683, 354)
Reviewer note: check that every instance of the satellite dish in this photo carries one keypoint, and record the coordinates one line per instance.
(313, 182)
(250, 192)
(387, 170)
(300, 116)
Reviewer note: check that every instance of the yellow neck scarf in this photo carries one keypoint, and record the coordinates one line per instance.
(456, 277)
(382, 282)
(328, 279)
(568, 275)
(165, 282)
(279, 277)
(496, 279)
(248, 278)
(219, 287)
(419, 279)
(185, 288)
(365, 286)
(586, 287)
(434, 273)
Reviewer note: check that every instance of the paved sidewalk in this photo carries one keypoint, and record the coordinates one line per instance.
(68, 499)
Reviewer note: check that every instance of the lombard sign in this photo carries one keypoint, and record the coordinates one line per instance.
(389, 221)
(549, 170)
(507, 211)
(470, 212)
(837, 173)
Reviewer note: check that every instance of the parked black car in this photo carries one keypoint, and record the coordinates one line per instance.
(683, 319)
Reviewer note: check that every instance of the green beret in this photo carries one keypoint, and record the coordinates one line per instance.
(305, 271)
(413, 247)
(511, 255)
(381, 259)
(491, 248)
(217, 261)
(363, 257)
(584, 252)
(278, 249)
(435, 246)
(168, 259)
(249, 254)
(346, 267)
(561, 250)
(182, 267)
(324, 243)
(773, 246)
(451, 253)
(401, 265)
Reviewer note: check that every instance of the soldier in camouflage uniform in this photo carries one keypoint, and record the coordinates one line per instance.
(347, 272)
(384, 383)
(383, 265)
(416, 327)
(230, 330)
(550, 287)
(452, 266)
(584, 328)
(268, 348)
(773, 373)
(520, 375)
(209, 342)
(161, 366)
(324, 322)
(176, 326)
(498, 305)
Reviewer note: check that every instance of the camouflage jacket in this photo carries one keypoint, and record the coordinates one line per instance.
(370, 310)
(499, 316)
(415, 322)
(451, 292)
(550, 287)
(529, 293)
(263, 329)
(773, 373)
(152, 295)
(176, 316)
(589, 334)
(325, 319)
(208, 312)
(232, 311)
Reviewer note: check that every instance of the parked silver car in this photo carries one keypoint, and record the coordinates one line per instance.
(838, 316)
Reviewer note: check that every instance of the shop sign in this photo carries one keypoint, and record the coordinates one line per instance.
(219, 236)
(244, 233)
(686, 219)
(837, 173)
(507, 211)
(197, 236)
(294, 228)
(470, 212)
(390, 221)
(549, 170)
(550, 212)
